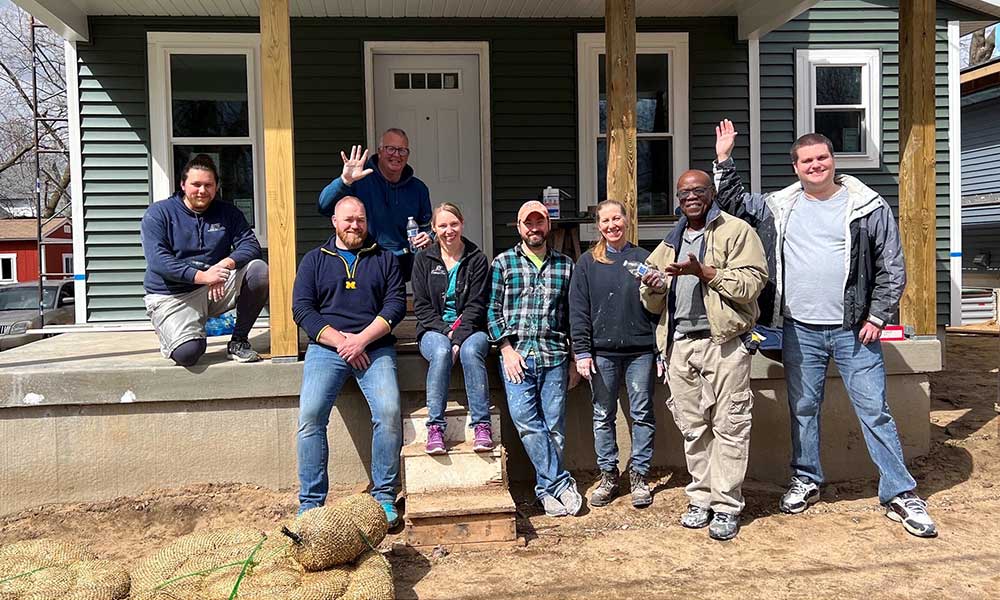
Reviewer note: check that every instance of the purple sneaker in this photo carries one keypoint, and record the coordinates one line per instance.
(435, 440)
(484, 438)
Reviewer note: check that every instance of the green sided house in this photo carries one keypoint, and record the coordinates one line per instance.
(501, 99)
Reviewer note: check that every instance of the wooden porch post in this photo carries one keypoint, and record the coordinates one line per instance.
(619, 38)
(917, 214)
(279, 170)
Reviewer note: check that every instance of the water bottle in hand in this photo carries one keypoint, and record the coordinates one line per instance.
(640, 269)
(411, 232)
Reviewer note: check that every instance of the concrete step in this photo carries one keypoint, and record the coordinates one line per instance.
(471, 518)
(456, 430)
(461, 468)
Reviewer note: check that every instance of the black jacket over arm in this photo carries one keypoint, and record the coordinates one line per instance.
(430, 283)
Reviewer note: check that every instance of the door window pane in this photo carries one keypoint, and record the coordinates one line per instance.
(654, 177)
(6, 269)
(652, 114)
(209, 95)
(843, 127)
(838, 85)
(235, 164)
(401, 81)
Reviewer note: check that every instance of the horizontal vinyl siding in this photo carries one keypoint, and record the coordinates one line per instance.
(981, 148)
(114, 124)
(853, 24)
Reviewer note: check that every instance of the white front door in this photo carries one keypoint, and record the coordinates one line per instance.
(434, 98)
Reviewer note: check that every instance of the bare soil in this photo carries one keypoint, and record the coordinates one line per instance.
(843, 547)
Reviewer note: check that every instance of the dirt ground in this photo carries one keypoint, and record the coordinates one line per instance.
(843, 547)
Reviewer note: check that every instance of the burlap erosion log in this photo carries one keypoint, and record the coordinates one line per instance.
(371, 579)
(207, 565)
(49, 570)
(338, 534)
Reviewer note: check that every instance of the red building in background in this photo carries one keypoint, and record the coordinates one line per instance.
(19, 249)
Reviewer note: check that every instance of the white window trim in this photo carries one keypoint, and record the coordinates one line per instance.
(160, 45)
(67, 262)
(13, 268)
(589, 46)
(870, 62)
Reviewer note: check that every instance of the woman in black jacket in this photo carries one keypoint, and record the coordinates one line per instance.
(613, 343)
(450, 284)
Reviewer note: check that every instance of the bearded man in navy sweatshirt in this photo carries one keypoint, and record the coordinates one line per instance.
(348, 296)
(202, 260)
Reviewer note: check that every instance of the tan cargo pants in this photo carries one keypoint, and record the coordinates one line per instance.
(715, 424)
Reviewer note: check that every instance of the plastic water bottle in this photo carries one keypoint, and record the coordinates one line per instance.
(411, 232)
(637, 269)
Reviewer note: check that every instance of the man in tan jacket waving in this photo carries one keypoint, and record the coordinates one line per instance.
(717, 268)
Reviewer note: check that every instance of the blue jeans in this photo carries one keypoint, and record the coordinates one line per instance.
(537, 407)
(807, 353)
(436, 348)
(323, 375)
(637, 371)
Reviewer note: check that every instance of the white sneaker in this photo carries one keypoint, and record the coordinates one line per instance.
(571, 499)
(801, 493)
(910, 510)
(553, 507)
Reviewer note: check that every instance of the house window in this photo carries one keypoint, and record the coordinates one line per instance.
(67, 264)
(838, 95)
(204, 99)
(661, 119)
(8, 268)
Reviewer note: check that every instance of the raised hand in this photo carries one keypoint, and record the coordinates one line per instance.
(354, 167)
(725, 140)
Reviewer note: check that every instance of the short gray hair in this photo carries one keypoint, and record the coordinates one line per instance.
(395, 130)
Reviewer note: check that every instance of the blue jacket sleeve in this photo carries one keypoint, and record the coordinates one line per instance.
(332, 194)
(394, 306)
(244, 242)
(304, 310)
(424, 216)
(160, 257)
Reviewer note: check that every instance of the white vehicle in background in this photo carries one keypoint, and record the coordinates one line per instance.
(19, 310)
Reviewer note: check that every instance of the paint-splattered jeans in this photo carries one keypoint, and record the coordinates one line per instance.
(715, 422)
(537, 407)
(807, 350)
(637, 372)
(436, 348)
(323, 375)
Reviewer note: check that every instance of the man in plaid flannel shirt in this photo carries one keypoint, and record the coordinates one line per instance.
(528, 317)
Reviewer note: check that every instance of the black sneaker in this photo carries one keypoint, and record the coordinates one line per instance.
(607, 490)
(241, 351)
(641, 497)
(724, 526)
(910, 510)
(801, 493)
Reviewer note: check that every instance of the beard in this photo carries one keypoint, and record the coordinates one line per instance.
(534, 242)
(350, 239)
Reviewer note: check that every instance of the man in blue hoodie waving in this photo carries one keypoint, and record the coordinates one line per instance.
(391, 193)
(202, 260)
(348, 296)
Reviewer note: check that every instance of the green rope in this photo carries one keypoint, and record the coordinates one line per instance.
(3, 581)
(246, 568)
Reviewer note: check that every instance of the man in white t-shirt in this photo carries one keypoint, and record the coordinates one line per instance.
(838, 274)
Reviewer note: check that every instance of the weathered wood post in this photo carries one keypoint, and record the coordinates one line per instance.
(619, 39)
(279, 170)
(917, 214)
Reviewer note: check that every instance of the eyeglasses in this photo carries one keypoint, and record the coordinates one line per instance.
(397, 150)
(699, 191)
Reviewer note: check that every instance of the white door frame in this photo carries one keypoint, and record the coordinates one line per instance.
(480, 49)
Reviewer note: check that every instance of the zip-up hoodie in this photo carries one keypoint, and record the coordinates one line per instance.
(388, 205)
(875, 271)
(732, 247)
(430, 283)
(327, 294)
(179, 242)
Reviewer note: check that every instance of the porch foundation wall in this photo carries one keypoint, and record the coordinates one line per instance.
(93, 452)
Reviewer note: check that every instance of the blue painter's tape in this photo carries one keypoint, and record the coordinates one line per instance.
(956, 254)
(79, 277)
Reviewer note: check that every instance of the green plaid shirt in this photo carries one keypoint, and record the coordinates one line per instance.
(530, 306)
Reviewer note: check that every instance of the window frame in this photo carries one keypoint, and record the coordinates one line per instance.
(160, 46)
(589, 47)
(67, 263)
(13, 267)
(870, 61)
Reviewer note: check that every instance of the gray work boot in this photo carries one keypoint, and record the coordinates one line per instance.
(607, 490)
(641, 496)
(724, 526)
